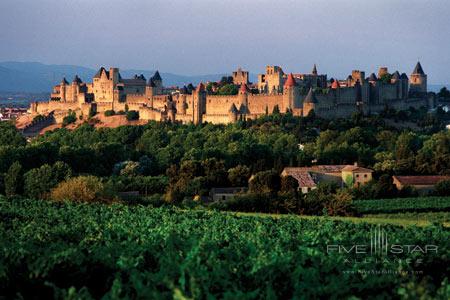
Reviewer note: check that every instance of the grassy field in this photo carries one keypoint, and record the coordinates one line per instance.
(442, 217)
(400, 219)
(401, 205)
(117, 251)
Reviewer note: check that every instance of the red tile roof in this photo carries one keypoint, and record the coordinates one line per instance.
(243, 88)
(290, 82)
(356, 169)
(303, 177)
(335, 84)
(420, 180)
(324, 168)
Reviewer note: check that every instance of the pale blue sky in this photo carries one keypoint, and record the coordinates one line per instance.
(204, 37)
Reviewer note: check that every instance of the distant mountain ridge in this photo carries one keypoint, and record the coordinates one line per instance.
(37, 77)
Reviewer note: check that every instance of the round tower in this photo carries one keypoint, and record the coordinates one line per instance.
(63, 88)
(243, 95)
(233, 113)
(309, 103)
(199, 101)
(75, 88)
(291, 94)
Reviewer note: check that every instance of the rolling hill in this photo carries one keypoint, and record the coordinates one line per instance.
(37, 77)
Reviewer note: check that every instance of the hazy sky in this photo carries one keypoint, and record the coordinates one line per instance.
(204, 37)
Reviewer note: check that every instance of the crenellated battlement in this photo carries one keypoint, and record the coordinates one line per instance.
(279, 91)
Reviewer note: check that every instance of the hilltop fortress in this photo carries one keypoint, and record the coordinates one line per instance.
(275, 91)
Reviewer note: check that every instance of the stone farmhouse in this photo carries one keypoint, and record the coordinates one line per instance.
(298, 94)
(309, 177)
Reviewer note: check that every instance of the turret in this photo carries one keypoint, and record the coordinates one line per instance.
(157, 80)
(243, 110)
(199, 101)
(114, 75)
(233, 113)
(243, 94)
(404, 83)
(150, 88)
(418, 80)
(358, 95)
(171, 111)
(291, 94)
(373, 78)
(63, 88)
(75, 87)
(310, 102)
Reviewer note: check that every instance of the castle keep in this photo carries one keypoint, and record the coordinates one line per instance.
(275, 91)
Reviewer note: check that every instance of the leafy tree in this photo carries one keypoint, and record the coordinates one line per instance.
(276, 110)
(10, 136)
(147, 165)
(14, 180)
(80, 189)
(385, 187)
(127, 168)
(444, 93)
(406, 146)
(39, 181)
(2, 184)
(69, 119)
(289, 184)
(61, 171)
(239, 175)
(215, 172)
(132, 115)
(228, 89)
(265, 182)
(443, 188)
(340, 204)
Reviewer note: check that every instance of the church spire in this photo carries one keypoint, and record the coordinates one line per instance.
(314, 70)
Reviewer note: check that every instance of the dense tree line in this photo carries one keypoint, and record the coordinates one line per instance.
(182, 161)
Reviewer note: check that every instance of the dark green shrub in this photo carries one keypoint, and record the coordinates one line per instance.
(109, 113)
(132, 115)
(70, 118)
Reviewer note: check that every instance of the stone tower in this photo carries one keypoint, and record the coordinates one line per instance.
(233, 113)
(150, 90)
(199, 101)
(404, 83)
(291, 94)
(75, 87)
(114, 76)
(310, 102)
(358, 96)
(157, 80)
(63, 86)
(418, 80)
(243, 95)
